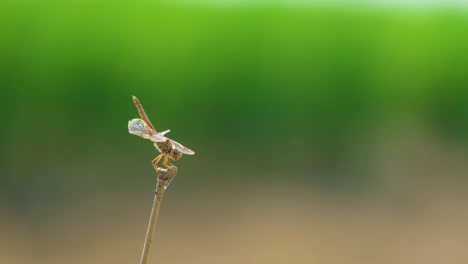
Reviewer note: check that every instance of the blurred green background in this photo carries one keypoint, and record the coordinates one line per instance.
(323, 133)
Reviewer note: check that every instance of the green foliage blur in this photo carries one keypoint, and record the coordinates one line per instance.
(260, 91)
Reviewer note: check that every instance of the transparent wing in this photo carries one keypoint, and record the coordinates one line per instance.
(158, 138)
(181, 148)
(164, 132)
(138, 127)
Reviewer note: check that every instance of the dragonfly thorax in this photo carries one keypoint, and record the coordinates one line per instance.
(167, 148)
(164, 147)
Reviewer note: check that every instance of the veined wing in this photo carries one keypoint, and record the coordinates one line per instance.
(158, 137)
(181, 148)
(138, 127)
(164, 132)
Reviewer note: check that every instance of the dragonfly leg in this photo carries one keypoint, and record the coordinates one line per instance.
(155, 162)
(166, 162)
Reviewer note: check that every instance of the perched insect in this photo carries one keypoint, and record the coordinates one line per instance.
(169, 148)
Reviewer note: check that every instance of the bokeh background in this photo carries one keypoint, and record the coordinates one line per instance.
(324, 133)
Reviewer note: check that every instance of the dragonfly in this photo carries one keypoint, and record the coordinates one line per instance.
(169, 149)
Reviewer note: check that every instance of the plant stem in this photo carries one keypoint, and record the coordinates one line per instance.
(153, 219)
(164, 177)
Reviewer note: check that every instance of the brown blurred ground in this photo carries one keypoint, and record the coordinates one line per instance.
(263, 225)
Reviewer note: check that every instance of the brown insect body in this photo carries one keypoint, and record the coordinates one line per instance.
(168, 149)
(164, 147)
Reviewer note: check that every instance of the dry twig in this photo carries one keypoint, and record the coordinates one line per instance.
(164, 178)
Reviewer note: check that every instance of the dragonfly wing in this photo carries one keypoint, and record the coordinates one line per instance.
(138, 127)
(181, 148)
(164, 132)
(158, 138)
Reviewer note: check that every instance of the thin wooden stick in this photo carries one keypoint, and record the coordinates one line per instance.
(152, 222)
(164, 177)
